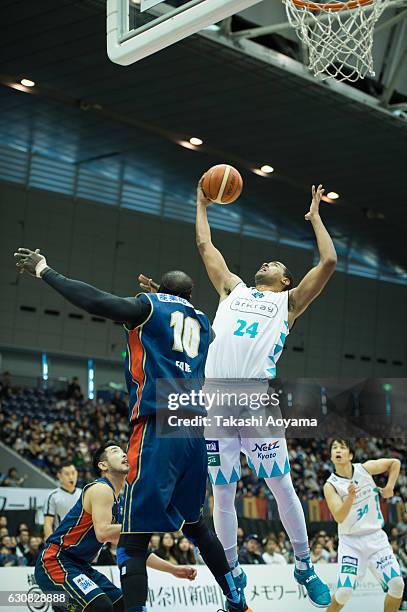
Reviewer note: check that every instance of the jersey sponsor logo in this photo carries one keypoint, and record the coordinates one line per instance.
(214, 460)
(349, 560)
(165, 297)
(263, 450)
(349, 569)
(85, 584)
(248, 305)
(264, 447)
(384, 562)
(212, 446)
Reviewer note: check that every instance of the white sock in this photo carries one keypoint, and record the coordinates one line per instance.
(292, 517)
(225, 520)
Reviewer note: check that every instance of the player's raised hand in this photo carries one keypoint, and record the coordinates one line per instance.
(27, 260)
(184, 571)
(147, 284)
(316, 199)
(200, 196)
(352, 490)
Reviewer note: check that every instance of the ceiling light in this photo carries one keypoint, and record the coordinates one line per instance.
(267, 169)
(195, 141)
(260, 172)
(186, 144)
(27, 83)
(332, 195)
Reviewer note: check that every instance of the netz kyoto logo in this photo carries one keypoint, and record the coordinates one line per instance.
(259, 307)
(265, 451)
(264, 447)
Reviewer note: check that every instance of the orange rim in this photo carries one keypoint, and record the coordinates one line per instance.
(332, 6)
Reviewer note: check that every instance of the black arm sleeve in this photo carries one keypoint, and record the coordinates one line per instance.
(133, 311)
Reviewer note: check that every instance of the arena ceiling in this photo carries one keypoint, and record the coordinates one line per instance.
(247, 111)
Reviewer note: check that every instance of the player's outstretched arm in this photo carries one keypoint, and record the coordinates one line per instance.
(100, 499)
(95, 301)
(316, 279)
(219, 274)
(338, 508)
(379, 466)
(179, 571)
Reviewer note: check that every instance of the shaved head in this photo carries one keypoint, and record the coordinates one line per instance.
(177, 283)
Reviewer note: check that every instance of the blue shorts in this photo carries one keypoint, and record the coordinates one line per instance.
(58, 572)
(166, 484)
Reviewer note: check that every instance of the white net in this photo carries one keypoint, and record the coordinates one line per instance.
(339, 40)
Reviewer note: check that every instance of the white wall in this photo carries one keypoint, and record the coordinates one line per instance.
(108, 248)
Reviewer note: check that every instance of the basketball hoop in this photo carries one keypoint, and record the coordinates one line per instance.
(338, 35)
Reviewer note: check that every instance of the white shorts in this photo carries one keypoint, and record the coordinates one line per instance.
(357, 553)
(266, 457)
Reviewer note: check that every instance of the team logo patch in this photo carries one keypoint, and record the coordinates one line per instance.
(212, 446)
(349, 560)
(85, 584)
(213, 460)
(349, 569)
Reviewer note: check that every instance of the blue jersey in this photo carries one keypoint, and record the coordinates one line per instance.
(171, 344)
(76, 534)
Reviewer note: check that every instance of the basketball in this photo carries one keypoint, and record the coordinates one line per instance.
(222, 184)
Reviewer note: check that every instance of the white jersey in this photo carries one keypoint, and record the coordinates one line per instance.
(251, 327)
(365, 515)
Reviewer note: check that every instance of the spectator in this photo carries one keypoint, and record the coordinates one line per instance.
(272, 556)
(240, 536)
(167, 548)
(248, 553)
(3, 520)
(183, 552)
(3, 532)
(13, 480)
(317, 554)
(22, 526)
(5, 384)
(74, 389)
(7, 558)
(23, 545)
(402, 525)
(120, 404)
(154, 542)
(35, 545)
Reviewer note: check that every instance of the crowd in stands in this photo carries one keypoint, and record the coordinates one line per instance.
(20, 547)
(50, 428)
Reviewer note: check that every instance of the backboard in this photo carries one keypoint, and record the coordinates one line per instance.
(138, 28)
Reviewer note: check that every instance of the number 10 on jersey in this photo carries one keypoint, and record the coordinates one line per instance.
(187, 334)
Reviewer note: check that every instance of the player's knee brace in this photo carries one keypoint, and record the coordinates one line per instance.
(343, 594)
(101, 604)
(396, 587)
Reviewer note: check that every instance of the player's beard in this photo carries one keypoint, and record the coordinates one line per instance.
(261, 278)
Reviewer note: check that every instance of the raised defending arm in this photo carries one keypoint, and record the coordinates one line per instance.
(91, 299)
